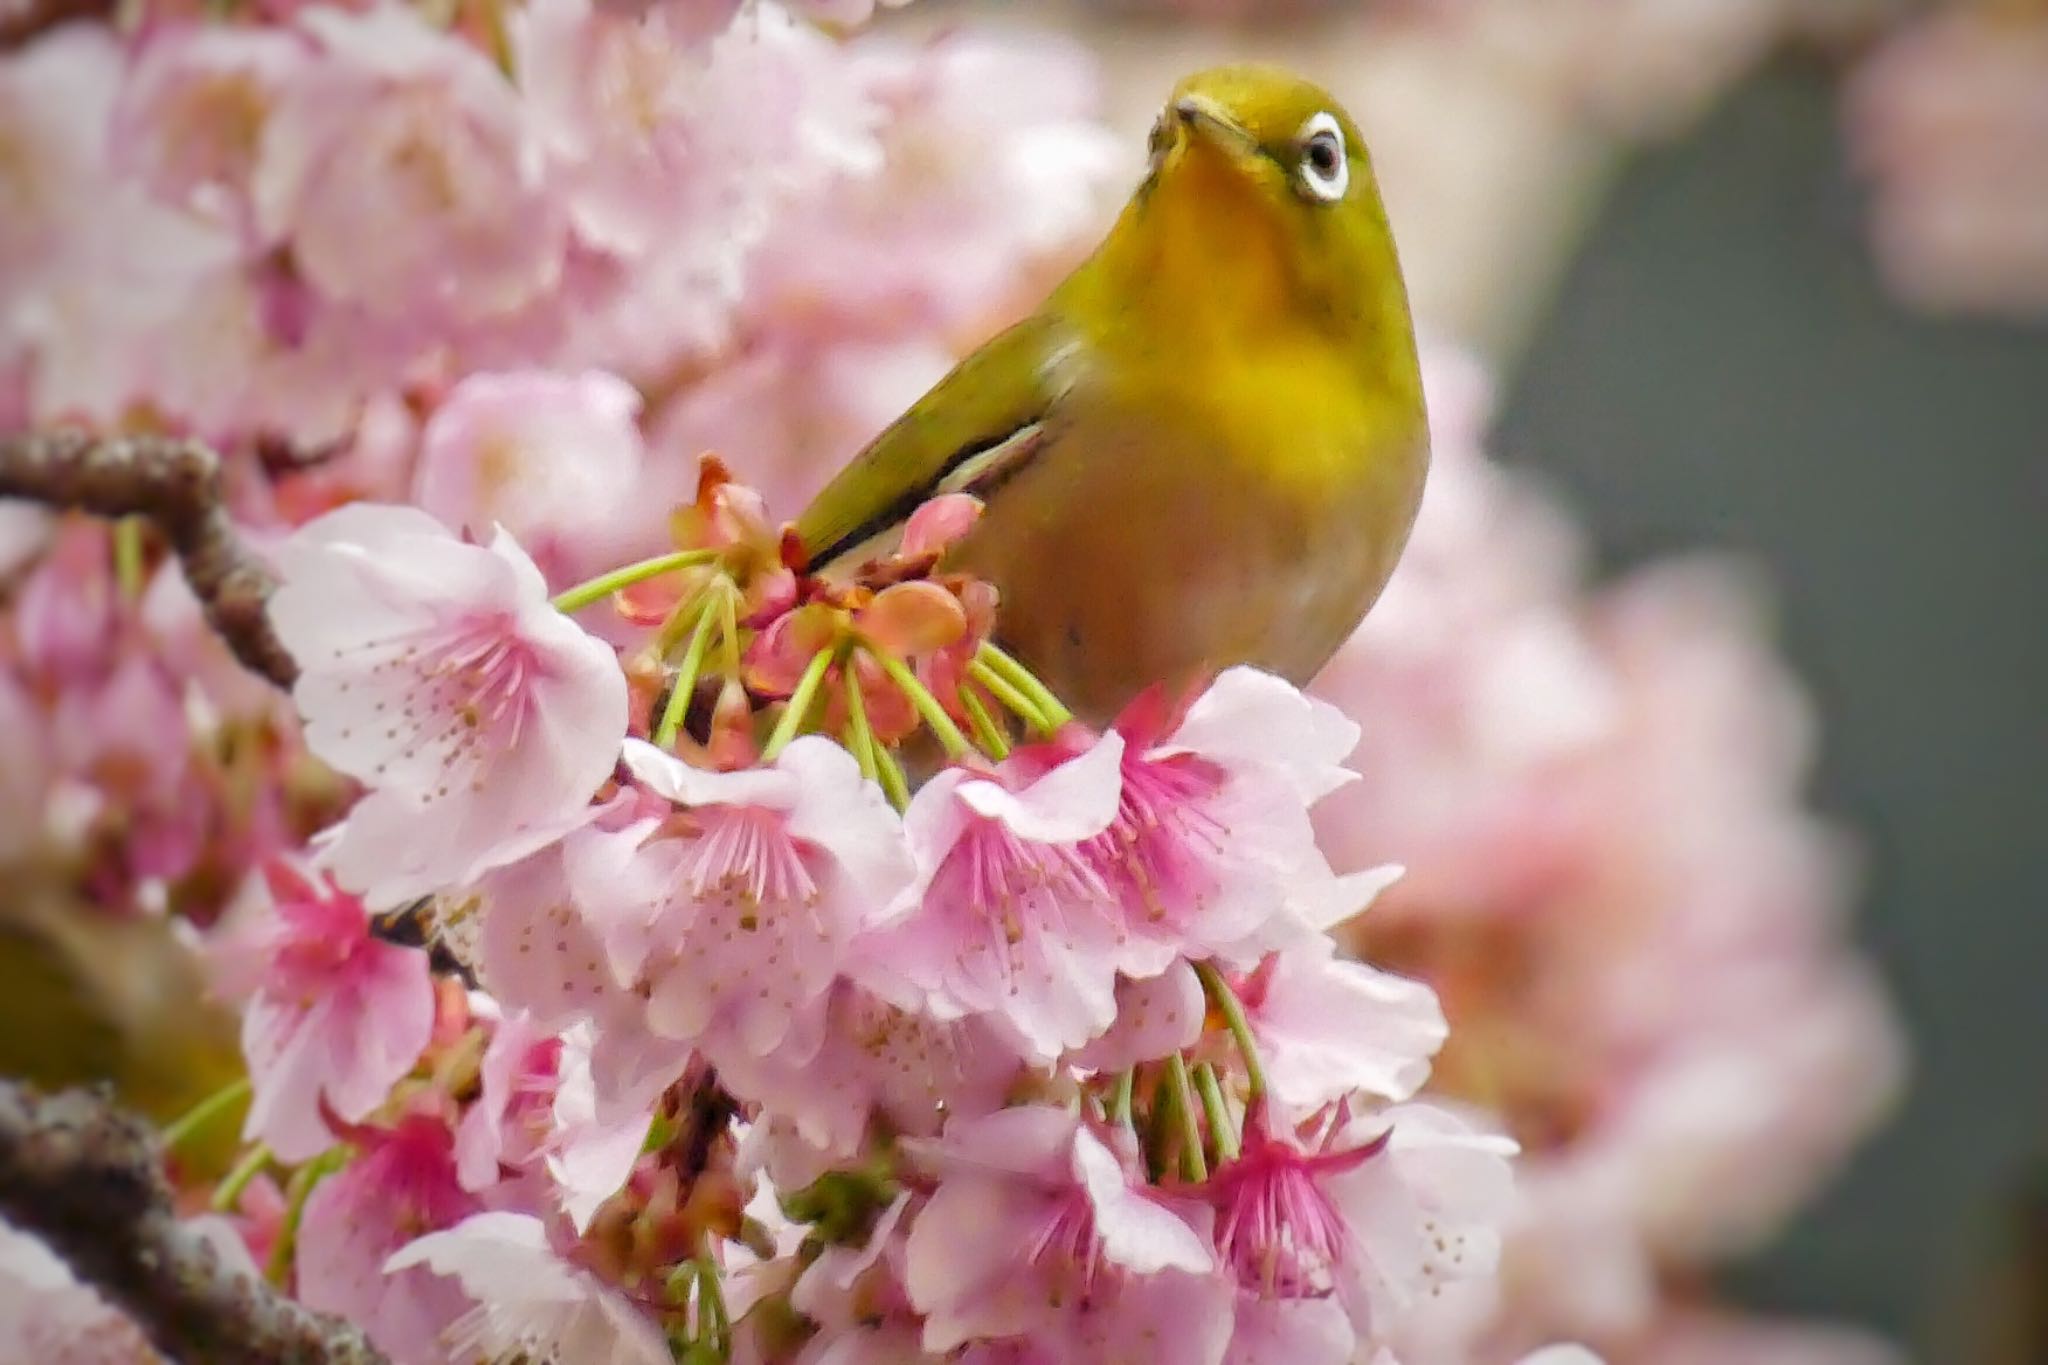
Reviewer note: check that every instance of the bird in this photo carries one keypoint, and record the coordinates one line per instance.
(1208, 445)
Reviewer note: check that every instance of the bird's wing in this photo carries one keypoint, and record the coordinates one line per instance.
(975, 428)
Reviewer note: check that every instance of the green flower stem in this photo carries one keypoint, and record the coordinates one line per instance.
(950, 738)
(729, 629)
(1232, 1009)
(860, 738)
(711, 1304)
(1120, 1101)
(605, 584)
(685, 687)
(894, 784)
(986, 733)
(128, 557)
(202, 1115)
(296, 1192)
(228, 1196)
(1055, 712)
(799, 705)
(1220, 1126)
(1016, 701)
(1194, 1167)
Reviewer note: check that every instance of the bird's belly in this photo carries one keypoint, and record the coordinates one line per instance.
(1133, 551)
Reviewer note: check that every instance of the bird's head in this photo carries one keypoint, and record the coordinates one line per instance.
(1259, 173)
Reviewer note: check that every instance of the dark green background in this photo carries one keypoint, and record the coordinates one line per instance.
(1721, 368)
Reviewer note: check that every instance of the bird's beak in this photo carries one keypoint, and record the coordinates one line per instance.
(1202, 117)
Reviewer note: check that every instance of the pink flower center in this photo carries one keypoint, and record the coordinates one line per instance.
(1015, 890)
(1278, 1229)
(1068, 1248)
(745, 852)
(474, 682)
(1159, 848)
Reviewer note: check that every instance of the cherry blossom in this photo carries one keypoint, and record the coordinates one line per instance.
(336, 1017)
(195, 111)
(1327, 1027)
(553, 459)
(674, 139)
(526, 1299)
(1037, 1229)
(403, 1182)
(1211, 851)
(438, 674)
(1383, 1213)
(1008, 917)
(739, 923)
(403, 174)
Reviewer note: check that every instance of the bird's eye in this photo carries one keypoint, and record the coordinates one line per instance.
(1325, 170)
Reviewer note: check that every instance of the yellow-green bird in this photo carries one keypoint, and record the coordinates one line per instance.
(1207, 446)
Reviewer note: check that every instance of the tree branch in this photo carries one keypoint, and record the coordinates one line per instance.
(88, 1181)
(176, 485)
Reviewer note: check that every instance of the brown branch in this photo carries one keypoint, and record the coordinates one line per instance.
(88, 1181)
(22, 21)
(176, 485)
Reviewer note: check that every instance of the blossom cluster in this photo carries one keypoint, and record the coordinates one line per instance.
(1635, 925)
(773, 1057)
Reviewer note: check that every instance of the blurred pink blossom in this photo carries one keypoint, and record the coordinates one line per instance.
(46, 1314)
(1948, 119)
(403, 174)
(553, 459)
(1596, 798)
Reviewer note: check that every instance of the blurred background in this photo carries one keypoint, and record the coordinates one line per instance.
(1706, 710)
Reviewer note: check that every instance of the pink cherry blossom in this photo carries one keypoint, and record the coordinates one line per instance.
(46, 1314)
(1008, 917)
(66, 625)
(674, 148)
(335, 1017)
(402, 1183)
(1327, 1027)
(741, 921)
(968, 197)
(553, 459)
(534, 947)
(78, 302)
(195, 110)
(1038, 1229)
(254, 351)
(56, 101)
(599, 1118)
(1211, 851)
(877, 1060)
(1945, 118)
(1155, 1015)
(402, 173)
(1383, 1213)
(528, 1301)
(508, 1121)
(437, 673)
(25, 528)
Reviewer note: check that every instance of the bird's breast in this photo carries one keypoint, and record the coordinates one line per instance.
(1180, 520)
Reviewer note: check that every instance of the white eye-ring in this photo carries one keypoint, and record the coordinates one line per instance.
(1325, 168)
